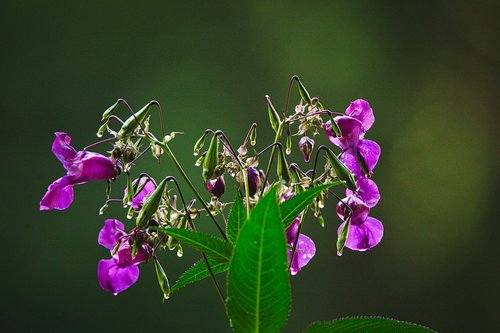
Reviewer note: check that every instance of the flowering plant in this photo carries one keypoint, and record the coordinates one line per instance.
(262, 242)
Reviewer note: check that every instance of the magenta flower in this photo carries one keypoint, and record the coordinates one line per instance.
(148, 186)
(306, 146)
(364, 232)
(120, 272)
(305, 251)
(82, 166)
(359, 118)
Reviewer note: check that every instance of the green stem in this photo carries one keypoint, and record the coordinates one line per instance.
(172, 157)
(247, 190)
(273, 151)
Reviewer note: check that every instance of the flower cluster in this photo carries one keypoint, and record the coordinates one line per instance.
(155, 206)
(360, 156)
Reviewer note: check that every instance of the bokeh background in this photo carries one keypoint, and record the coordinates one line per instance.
(430, 70)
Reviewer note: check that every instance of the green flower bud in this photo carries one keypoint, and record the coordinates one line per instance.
(130, 125)
(274, 118)
(303, 91)
(109, 111)
(199, 144)
(282, 167)
(253, 135)
(342, 237)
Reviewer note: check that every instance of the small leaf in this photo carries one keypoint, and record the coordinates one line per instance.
(366, 324)
(292, 207)
(258, 284)
(217, 248)
(198, 272)
(236, 219)
(211, 160)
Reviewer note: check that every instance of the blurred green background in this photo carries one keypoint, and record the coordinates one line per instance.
(429, 69)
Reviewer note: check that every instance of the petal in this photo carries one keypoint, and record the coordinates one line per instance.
(364, 236)
(351, 162)
(148, 186)
(370, 151)
(291, 231)
(62, 149)
(359, 209)
(91, 166)
(350, 129)
(361, 110)
(110, 233)
(367, 190)
(216, 186)
(59, 195)
(114, 278)
(305, 251)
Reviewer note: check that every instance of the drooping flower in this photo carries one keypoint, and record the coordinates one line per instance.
(364, 232)
(305, 250)
(82, 166)
(359, 153)
(120, 272)
(216, 186)
(148, 186)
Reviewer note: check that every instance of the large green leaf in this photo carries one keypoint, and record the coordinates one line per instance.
(366, 325)
(237, 217)
(215, 247)
(199, 272)
(258, 284)
(293, 206)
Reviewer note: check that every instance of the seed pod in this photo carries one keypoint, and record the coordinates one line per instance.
(342, 171)
(151, 205)
(211, 160)
(134, 121)
(162, 279)
(109, 111)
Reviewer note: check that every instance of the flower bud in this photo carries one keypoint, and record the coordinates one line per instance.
(306, 146)
(254, 181)
(253, 135)
(216, 187)
(288, 149)
(274, 118)
(109, 111)
(302, 90)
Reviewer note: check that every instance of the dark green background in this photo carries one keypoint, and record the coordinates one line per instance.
(429, 69)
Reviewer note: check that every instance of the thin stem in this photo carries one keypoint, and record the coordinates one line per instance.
(98, 143)
(219, 134)
(174, 160)
(273, 152)
(247, 189)
(193, 227)
(127, 169)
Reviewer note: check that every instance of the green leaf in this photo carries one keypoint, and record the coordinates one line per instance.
(198, 272)
(236, 219)
(292, 207)
(258, 284)
(217, 248)
(366, 324)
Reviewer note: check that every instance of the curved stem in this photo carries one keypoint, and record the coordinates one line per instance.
(273, 152)
(174, 160)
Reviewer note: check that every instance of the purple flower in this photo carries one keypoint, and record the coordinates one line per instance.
(216, 186)
(357, 150)
(304, 251)
(148, 186)
(121, 271)
(82, 166)
(364, 232)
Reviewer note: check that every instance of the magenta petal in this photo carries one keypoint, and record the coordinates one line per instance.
(367, 190)
(92, 166)
(59, 195)
(305, 251)
(114, 278)
(359, 209)
(351, 162)
(110, 233)
(370, 151)
(148, 186)
(350, 129)
(364, 236)
(62, 149)
(361, 110)
(291, 231)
